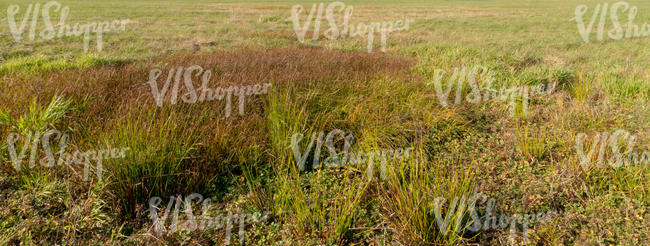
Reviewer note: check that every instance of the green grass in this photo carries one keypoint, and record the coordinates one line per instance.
(42, 64)
(527, 162)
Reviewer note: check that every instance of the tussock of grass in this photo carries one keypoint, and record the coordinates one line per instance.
(37, 119)
(158, 160)
(626, 89)
(533, 145)
(409, 194)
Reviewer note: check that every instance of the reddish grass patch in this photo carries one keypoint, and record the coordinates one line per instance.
(107, 97)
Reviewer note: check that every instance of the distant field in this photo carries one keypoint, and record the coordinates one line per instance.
(549, 153)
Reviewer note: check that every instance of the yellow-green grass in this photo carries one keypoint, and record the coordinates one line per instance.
(529, 164)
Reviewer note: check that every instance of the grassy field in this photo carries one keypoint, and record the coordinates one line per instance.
(525, 156)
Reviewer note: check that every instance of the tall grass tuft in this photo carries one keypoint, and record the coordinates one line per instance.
(326, 208)
(254, 168)
(37, 119)
(155, 164)
(409, 195)
(533, 146)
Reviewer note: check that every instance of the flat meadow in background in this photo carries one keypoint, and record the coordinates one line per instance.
(527, 163)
